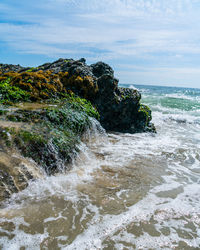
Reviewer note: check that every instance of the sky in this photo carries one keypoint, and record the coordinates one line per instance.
(154, 42)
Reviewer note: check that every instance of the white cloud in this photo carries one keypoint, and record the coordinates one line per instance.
(113, 30)
(168, 76)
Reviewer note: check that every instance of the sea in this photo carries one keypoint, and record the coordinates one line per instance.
(124, 191)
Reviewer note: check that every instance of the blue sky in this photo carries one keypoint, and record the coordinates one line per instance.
(145, 41)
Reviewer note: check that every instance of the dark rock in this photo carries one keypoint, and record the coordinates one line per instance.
(107, 84)
(4, 68)
(83, 60)
(41, 134)
(101, 68)
(80, 69)
(73, 67)
(118, 111)
(119, 108)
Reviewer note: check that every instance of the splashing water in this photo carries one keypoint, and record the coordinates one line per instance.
(124, 191)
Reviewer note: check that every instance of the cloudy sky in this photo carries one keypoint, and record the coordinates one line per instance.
(146, 41)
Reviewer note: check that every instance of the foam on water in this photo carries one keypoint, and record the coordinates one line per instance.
(124, 191)
(178, 213)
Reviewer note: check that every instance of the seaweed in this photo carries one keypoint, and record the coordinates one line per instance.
(53, 133)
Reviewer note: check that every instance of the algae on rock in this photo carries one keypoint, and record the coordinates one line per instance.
(96, 83)
(43, 114)
(48, 137)
(53, 133)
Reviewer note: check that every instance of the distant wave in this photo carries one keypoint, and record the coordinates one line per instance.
(183, 96)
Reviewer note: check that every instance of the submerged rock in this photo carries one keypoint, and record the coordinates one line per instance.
(15, 172)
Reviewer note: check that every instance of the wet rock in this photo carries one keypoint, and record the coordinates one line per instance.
(40, 139)
(15, 173)
(50, 134)
(107, 84)
(119, 108)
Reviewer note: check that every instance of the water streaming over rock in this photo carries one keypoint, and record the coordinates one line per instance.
(124, 191)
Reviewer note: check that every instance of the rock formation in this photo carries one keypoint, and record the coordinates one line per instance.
(46, 136)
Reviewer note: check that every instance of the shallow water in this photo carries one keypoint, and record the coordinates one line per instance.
(124, 191)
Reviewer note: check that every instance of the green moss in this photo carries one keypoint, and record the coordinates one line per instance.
(9, 93)
(71, 115)
(144, 115)
(76, 103)
(31, 137)
(12, 118)
(39, 85)
(32, 144)
(49, 146)
(25, 116)
(64, 142)
(5, 136)
(31, 69)
(4, 133)
(83, 105)
(3, 111)
(145, 110)
(53, 133)
(29, 81)
(68, 118)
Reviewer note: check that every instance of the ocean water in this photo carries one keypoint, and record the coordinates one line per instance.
(125, 191)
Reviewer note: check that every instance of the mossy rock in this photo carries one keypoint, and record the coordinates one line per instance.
(119, 108)
(10, 93)
(3, 111)
(53, 133)
(145, 113)
(40, 85)
(143, 119)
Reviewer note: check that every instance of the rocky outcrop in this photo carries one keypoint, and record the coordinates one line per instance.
(40, 139)
(4, 68)
(120, 108)
(100, 68)
(45, 131)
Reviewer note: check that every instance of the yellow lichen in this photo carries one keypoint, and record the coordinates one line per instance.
(46, 84)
